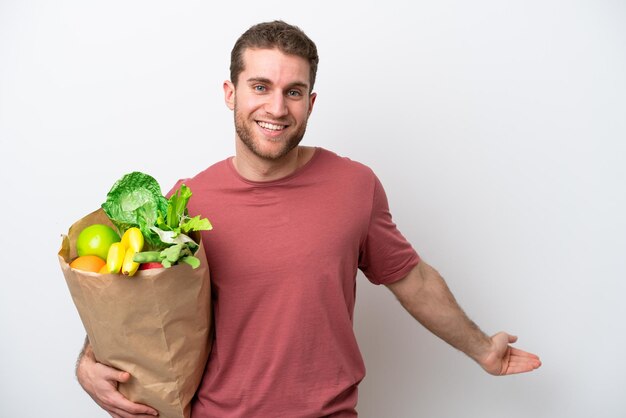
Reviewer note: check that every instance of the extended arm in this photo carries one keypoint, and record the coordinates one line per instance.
(425, 295)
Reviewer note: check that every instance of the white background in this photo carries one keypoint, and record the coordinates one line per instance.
(497, 127)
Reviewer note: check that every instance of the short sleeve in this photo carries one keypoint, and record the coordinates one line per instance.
(385, 255)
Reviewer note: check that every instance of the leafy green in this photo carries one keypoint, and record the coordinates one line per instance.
(136, 200)
(177, 205)
(178, 252)
(173, 227)
(194, 262)
(177, 218)
(195, 224)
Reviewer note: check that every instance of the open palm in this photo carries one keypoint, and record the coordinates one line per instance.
(503, 359)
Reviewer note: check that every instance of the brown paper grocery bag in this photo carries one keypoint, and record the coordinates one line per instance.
(156, 325)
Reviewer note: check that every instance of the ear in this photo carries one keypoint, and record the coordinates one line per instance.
(312, 98)
(229, 94)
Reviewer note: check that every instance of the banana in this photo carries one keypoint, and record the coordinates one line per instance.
(115, 257)
(129, 267)
(133, 238)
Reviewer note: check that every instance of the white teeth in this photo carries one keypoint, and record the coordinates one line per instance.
(271, 126)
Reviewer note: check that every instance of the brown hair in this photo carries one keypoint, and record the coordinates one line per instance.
(287, 38)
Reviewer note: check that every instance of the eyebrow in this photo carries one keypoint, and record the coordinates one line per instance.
(264, 80)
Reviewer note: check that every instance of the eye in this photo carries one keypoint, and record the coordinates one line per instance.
(294, 93)
(259, 88)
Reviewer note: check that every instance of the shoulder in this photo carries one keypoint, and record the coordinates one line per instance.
(352, 177)
(212, 175)
(330, 160)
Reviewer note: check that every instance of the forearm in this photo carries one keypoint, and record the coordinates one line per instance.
(425, 295)
(85, 355)
(83, 351)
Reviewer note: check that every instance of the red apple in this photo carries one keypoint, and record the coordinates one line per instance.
(151, 265)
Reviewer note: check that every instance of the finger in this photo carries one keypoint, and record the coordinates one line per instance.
(517, 369)
(121, 405)
(525, 359)
(118, 413)
(521, 367)
(123, 414)
(521, 353)
(123, 377)
(502, 339)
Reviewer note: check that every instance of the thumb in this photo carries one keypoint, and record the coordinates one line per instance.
(115, 375)
(504, 337)
(122, 377)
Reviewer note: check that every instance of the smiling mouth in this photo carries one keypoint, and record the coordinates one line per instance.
(271, 126)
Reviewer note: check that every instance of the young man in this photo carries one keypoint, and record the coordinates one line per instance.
(293, 226)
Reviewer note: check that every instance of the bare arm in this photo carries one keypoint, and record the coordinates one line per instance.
(101, 382)
(425, 295)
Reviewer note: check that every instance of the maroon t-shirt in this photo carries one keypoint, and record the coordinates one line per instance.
(284, 257)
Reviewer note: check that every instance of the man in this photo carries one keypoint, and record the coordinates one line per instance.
(292, 226)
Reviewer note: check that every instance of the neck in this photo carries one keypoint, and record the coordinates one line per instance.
(254, 168)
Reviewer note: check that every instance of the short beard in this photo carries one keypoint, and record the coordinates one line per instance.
(243, 132)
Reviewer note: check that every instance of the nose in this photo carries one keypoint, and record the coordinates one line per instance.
(276, 105)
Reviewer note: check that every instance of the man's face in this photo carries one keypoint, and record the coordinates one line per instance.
(271, 102)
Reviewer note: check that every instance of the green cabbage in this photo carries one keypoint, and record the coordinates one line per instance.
(136, 200)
